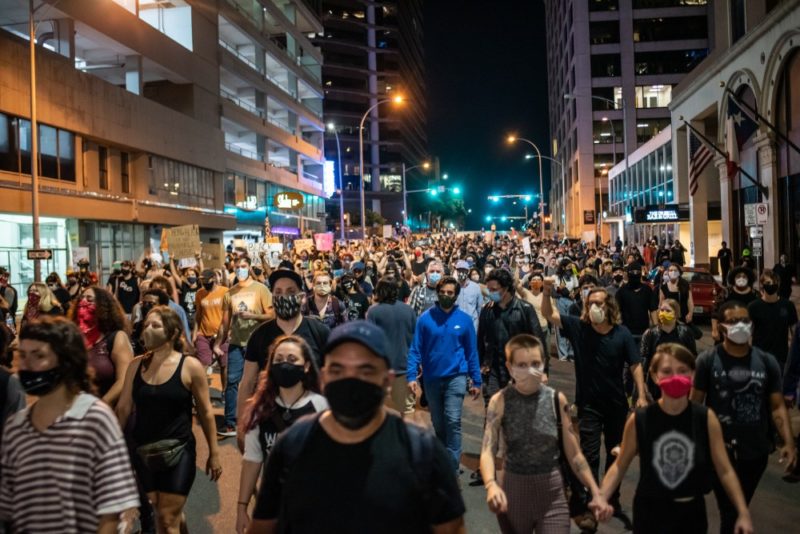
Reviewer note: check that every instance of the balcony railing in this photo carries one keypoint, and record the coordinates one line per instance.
(256, 111)
(250, 63)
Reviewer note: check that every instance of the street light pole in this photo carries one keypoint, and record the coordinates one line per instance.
(37, 266)
(563, 191)
(425, 165)
(332, 128)
(397, 99)
(512, 139)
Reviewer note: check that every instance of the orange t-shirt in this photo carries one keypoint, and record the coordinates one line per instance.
(209, 310)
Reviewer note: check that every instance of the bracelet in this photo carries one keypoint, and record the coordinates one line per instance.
(244, 503)
(490, 481)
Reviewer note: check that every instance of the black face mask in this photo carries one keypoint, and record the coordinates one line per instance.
(354, 402)
(287, 306)
(146, 307)
(38, 383)
(286, 374)
(191, 280)
(257, 271)
(770, 289)
(618, 278)
(208, 285)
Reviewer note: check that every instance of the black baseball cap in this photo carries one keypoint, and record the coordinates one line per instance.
(285, 273)
(364, 333)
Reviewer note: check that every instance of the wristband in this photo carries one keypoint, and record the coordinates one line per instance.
(244, 503)
(491, 481)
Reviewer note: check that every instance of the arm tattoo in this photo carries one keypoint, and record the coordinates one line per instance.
(579, 464)
(490, 431)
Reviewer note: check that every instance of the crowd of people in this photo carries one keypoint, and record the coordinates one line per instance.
(324, 357)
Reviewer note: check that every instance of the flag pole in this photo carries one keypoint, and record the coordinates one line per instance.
(725, 155)
(757, 117)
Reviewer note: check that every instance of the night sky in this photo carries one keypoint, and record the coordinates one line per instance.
(486, 75)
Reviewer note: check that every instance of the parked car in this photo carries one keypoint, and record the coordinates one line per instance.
(705, 291)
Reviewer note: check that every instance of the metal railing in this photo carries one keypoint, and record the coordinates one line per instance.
(256, 111)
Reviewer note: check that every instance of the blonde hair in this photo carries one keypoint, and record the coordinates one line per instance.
(48, 300)
(677, 351)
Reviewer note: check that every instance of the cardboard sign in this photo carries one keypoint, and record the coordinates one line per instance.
(213, 255)
(387, 230)
(275, 251)
(187, 262)
(324, 241)
(254, 250)
(78, 253)
(526, 245)
(303, 244)
(273, 240)
(184, 241)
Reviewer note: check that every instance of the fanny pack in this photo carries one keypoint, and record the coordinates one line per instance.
(161, 455)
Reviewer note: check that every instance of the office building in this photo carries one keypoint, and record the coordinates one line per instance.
(754, 57)
(157, 113)
(611, 66)
(373, 51)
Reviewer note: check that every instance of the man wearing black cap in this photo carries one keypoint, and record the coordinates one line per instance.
(287, 300)
(369, 471)
(635, 302)
(359, 272)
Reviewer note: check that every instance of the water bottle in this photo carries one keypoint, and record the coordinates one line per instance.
(10, 322)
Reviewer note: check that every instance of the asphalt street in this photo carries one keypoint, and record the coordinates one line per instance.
(212, 506)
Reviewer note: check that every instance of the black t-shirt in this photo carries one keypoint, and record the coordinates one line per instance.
(419, 267)
(357, 305)
(635, 306)
(63, 297)
(126, 291)
(262, 337)
(724, 257)
(599, 362)
(369, 486)
(188, 294)
(771, 323)
(738, 390)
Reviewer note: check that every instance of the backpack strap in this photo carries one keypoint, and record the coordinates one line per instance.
(314, 325)
(294, 440)
(421, 446)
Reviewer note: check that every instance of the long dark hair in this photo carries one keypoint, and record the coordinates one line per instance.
(108, 310)
(262, 404)
(66, 341)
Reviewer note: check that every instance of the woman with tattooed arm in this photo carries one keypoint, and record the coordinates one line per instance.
(523, 415)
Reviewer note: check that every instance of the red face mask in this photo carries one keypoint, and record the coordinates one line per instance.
(417, 253)
(86, 315)
(676, 386)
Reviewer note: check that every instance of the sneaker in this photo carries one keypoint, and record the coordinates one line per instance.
(227, 431)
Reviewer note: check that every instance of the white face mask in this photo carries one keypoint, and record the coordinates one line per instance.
(741, 282)
(597, 314)
(530, 377)
(674, 275)
(739, 333)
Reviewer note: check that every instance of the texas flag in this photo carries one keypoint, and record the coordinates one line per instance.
(739, 128)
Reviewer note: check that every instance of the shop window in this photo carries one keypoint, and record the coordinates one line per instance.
(124, 171)
(102, 166)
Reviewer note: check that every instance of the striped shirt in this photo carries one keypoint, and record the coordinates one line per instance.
(64, 478)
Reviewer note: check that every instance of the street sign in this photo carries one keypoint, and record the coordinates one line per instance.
(750, 218)
(756, 232)
(757, 247)
(40, 253)
(761, 213)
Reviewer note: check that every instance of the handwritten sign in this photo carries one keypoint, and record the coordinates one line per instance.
(303, 244)
(213, 255)
(526, 245)
(324, 241)
(184, 241)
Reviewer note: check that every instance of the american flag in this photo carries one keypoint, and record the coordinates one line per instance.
(699, 157)
(267, 228)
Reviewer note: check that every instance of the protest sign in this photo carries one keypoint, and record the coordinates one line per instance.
(184, 241)
(324, 241)
(213, 255)
(303, 244)
(526, 245)
(387, 230)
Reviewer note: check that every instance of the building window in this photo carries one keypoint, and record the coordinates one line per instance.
(102, 166)
(653, 96)
(607, 132)
(181, 183)
(604, 32)
(646, 129)
(124, 171)
(738, 22)
(647, 4)
(668, 62)
(670, 29)
(605, 65)
(56, 149)
(603, 5)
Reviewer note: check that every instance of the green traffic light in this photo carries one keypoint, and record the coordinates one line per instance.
(457, 190)
(434, 192)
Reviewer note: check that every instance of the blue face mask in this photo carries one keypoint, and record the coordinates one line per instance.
(495, 296)
(434, 278)
(242, 274)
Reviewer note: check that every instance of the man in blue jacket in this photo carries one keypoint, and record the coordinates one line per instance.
(445, 347)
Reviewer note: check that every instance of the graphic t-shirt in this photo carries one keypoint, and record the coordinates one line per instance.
(209, 310)
(126, 291)
(738, 390)
(253, 298)
(188, 301)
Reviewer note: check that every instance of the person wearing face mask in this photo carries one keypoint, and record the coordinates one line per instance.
(105, 330)
(505, 317)
(774, 319)
(666, 330)
(322, 303)
(208, 320)
(59, 291)
(354, 300)
(371, 472)
(9, 294)
(424, 296)
(470, 296)
(188, 284)
(787, 274)
(676, 288)
(287, 300)
(150, 299)
(742, 384)
(531, 292)
(419, 263)
(287, 390)
(603, 347)
(613, 280)
(125, 287)
(244, 307)
(681, 448)
(73, 286)
(359, 273)
(635, 302)
(66, 449)
(740, 289)
(526, 416)
(41, 301)
(444, 348)
(162, 387)
(394, 270)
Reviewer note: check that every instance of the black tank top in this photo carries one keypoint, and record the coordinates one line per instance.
(674, 453)
(163, 411)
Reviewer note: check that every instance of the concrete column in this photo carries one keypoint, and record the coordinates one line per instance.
(725, 199)
(134, 77)
(373, 124)
(64, 39)
(768, 175)
(261, 148)
(698, 210)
